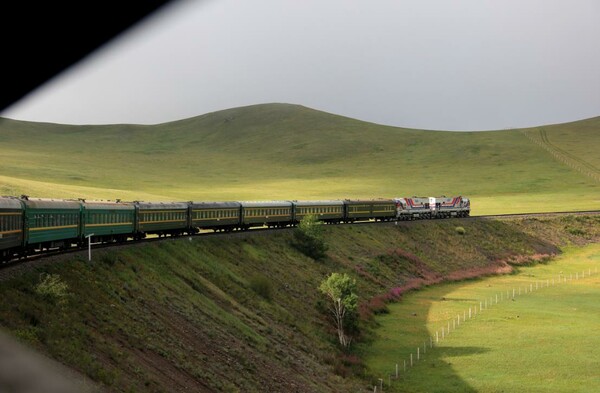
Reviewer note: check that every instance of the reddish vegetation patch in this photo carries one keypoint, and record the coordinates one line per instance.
(526, 259)
(377, 304)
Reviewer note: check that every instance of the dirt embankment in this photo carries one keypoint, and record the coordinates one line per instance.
(244, 314)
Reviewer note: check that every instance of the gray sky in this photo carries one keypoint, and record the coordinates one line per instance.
(436, 64)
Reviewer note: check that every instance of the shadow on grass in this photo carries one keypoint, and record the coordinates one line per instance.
(435, 361)
(497, 243)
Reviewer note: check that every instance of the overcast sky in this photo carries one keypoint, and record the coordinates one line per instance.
(435, 64)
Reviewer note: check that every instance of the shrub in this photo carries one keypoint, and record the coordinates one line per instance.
(576, 231)
(460, 230)
(308, 237)
(51, 286)
(262, 287)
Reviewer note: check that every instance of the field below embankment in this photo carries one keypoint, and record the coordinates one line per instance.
(282, 151)
(532, 331)
(242, 312)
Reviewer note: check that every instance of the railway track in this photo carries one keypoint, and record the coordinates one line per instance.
(542, 214)
(17, 266)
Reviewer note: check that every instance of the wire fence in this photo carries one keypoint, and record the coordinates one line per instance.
(402, 368)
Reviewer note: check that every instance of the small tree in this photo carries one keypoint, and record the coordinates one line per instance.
(308, 237)
(341, 290)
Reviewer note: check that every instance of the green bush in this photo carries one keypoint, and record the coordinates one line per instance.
(51, 286)
(262, 286)
(576, 231)
(460, 230)
(308, 237)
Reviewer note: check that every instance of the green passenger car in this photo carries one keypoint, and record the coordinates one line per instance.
(377, 209)
(218, 216)
(11, 227)
(271, 214)
(161, 218)
(326, 211)
(51, 223)
(108, 221)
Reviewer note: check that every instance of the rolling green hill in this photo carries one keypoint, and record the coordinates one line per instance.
(281, 151)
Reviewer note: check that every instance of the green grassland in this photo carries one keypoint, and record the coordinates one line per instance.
(543, 339)
(242, 313)
(281, 151)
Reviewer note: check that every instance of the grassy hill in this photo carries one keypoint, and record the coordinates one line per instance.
(281, 151)
(243, 313)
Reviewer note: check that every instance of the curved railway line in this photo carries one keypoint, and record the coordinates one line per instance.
(17, 266)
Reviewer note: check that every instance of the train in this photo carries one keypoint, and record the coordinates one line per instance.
(33, 225)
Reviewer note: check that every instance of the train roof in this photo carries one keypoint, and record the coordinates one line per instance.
(266, 203)
(101, 205)
(161, 205)
(225, 204)
(43, 203)
(336, 202)
(10, 203)
(379, 200)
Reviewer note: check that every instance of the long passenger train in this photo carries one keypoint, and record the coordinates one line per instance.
(31, 225)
